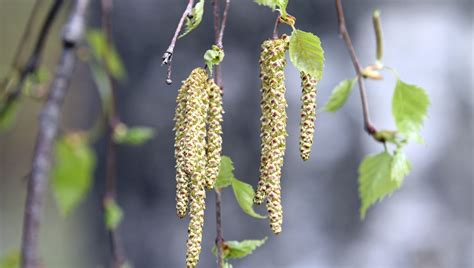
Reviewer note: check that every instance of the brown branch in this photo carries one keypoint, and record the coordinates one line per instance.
(168, 55)
(275, 28)
(219, 28)
(32, 63)
(48, 128)
(368, 126)
(118, 255)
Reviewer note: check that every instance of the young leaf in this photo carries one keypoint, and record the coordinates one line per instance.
(113, 214)
(134, 136)
(375, 180)
(306, 53)
(400, 167)
(10, 260)
(194, 19)
(105, 53)
(409, 108)
(273, 4)
(213, 57)
(72, 172)
(239, 249)
(244, 194)
(339, 95)
(226, 173)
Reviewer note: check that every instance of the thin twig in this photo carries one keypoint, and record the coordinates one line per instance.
(48, 128)
(369, 127)
(275, 28)
(118, 255)
(168, 55)
(219, 28)
(32, 63)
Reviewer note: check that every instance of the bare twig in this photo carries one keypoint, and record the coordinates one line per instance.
(32, 63)
(369, 127)
(118, 255)
(168, 55)
(48, 129)
(275, 28)
(219, 28)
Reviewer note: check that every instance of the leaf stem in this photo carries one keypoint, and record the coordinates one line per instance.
(168, 55)
(368, 126)
(48, 128)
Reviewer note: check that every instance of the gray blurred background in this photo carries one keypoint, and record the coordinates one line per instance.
(428, 223)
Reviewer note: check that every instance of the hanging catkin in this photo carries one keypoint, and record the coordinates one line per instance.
(214, 132)
(308, 114)
(273, 127)
(196, 117)
(184, 131)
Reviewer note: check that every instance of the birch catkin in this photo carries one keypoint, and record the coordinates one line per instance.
(185, 122)
(273, 127)
(214, 132)
(308, 114)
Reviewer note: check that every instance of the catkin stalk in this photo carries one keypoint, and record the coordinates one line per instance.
(308, 114)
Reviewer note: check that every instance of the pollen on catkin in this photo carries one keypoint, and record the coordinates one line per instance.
(308, 114)
(184, 135)
(273, 127)
(214, 132)
(196, 117)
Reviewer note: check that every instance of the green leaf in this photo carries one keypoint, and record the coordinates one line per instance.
(8, 113)
(400, 167)
(195, 18)
(113, 214)
(339, 95)
(226, 173)
(306, 53)
(227, 265)
(375, 180)
(10, 260)
(134, 136)
(213, 56)
(72, 172)
(409, 108)
(273, 4)
(244, 194)
(105, 53)
(239, 249)
(103, 85)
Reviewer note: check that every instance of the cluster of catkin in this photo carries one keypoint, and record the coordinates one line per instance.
(273, 125)
(198, 145)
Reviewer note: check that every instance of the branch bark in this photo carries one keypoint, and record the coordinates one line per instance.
(219, 28)
(48, 128)
(168, 55)
(118, 255)
(32, 63)
(368, 126)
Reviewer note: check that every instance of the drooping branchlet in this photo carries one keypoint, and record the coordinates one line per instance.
(308, 114)
(273, 127)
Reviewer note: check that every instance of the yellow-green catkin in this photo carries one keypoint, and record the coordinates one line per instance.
(214, 133)
(273, 127)
(196, 118)
(308, 114)
(185, 128)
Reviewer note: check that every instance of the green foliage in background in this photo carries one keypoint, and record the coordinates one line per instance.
(72, 172)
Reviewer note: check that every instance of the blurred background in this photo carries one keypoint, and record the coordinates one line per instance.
(428, 223)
